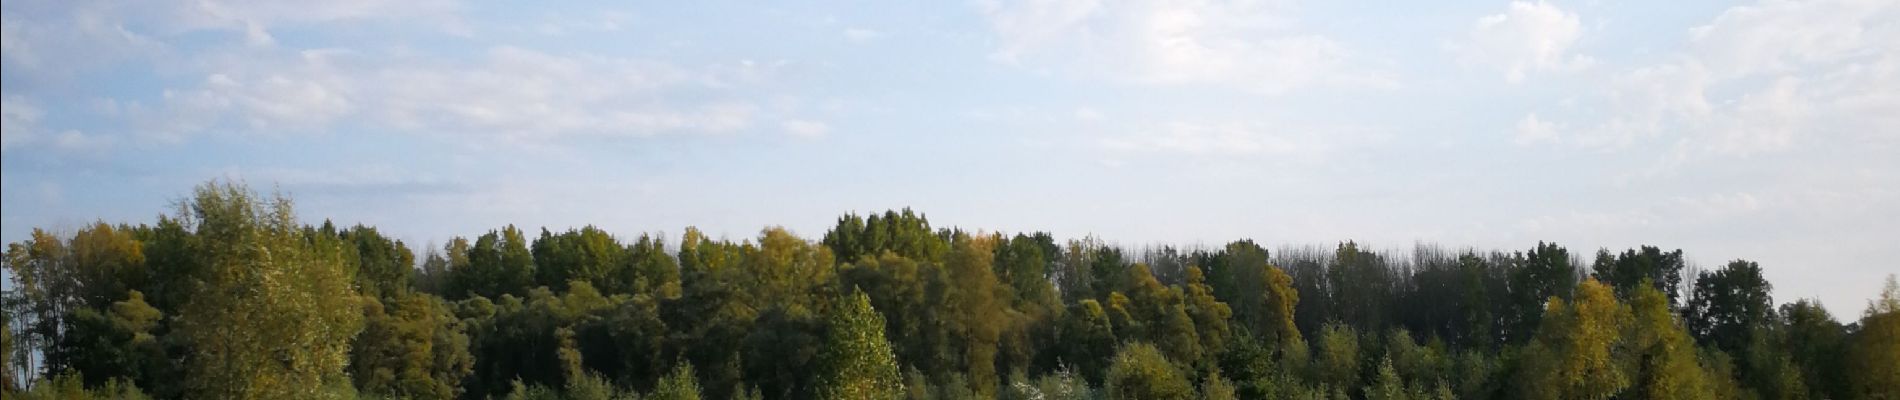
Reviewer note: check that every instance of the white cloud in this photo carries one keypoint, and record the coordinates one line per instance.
(1762, 78)
(20, 127)
(510, 92)
(1531, 130)
(1525, 39)
(805, 128)
(1249, 44)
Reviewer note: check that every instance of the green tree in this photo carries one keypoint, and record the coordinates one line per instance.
(412, 346)
(1141, 372)
(587, 254)
(1876, 348)
(1338, 362)
(1086, 339)
(1664, 357)
(1815, 342)
(1624, 272)
(119, 343)
(499, 262)
(681, 384)
(276, 313)
(1729, 305)
(383, 265)
(1538, 275)
(1386, 385)
(857, 363)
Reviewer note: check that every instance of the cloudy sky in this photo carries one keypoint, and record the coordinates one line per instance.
(1767, 131)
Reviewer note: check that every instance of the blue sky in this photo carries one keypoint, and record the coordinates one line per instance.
(1767, 131)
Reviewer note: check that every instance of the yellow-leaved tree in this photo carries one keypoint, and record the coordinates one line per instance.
(274, 312)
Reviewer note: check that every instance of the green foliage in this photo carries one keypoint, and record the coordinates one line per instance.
(1634, 268)
(1218, 387)
(412, 346)
(1729, 305)
(905, 233)
(1876, 348)
(1338, 362)
(1815, 343)
(276, 312)
(232, 298)
(1540, 274)
(499, 263)
(1140, 371)
(857, 362)
(1663, 355)
(681, 384)
(118, 344)
(1386, 385)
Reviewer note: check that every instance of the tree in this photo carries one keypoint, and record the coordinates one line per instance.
(117, 344)
(412, 347)
(1729, 305)
(1086, 339)
(383, 265)
(1815, 343)
(1572, 356)
(276, 313)
(1210, 315)
(498, 263)
(1876, 348)
(857, 363)
(1664, 357)
(1659, 269)
(1141, 372)
(1386, 385)
(677, 385)
(1338, 361)
(587, 254)
(1540, 274)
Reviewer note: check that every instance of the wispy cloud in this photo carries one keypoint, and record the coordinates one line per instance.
(1254, 46)
(1525, 39)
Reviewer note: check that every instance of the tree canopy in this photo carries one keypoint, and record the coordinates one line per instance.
(234, 296)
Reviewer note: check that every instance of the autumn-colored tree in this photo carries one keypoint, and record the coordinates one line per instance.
(276, 313)
(1662, 355)
(1573, 354)
(1141, 372)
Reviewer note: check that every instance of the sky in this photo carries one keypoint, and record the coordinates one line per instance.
(1766, 131)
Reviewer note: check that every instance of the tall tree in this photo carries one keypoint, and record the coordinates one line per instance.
(857, 363)
(411, 347)
(1538, 275)
(1815, 342)
(1573, 354)
(1876, 348)
(276, 313)
(499, 262)
(1662, 354)
(1649, 265)
(1729, 305)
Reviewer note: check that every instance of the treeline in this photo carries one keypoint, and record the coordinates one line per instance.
(234, 297)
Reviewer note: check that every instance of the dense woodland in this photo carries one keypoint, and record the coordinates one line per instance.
(233, 296)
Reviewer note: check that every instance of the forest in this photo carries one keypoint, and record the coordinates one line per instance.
(233, 295)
